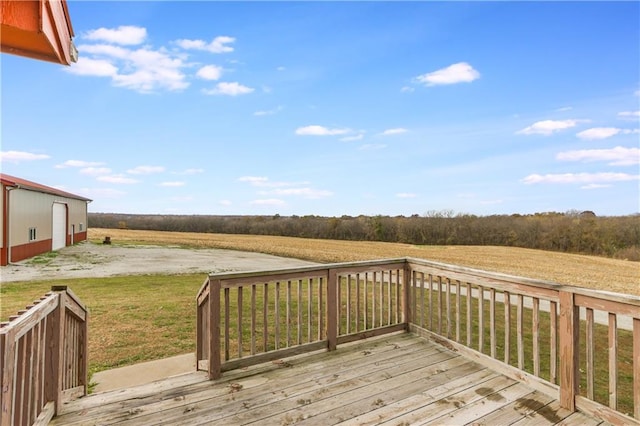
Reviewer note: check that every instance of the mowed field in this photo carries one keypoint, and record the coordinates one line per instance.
(562, 268)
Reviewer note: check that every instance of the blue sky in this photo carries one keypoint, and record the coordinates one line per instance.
(335, 109)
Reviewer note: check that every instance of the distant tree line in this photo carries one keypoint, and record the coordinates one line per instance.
(573, 231)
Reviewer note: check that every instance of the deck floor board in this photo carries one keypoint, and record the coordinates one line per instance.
(395, 379)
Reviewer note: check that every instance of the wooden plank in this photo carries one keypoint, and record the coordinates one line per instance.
(288, 313)
(273, 355)
(372, 332)
(309, 309)
(240, 307)
(628, 305)
(432, 410)
(227, 322)
(339, 408)
(550, 414)
(458, 309)
(507, 327)
(520, 331)
(358, 302)
(332, 310)
(25, 322)
(469, 321)
(603, 412)
(613, 361)
(516, 410)
(493, 400)
(299, 310)
(492, 321)
(214, 330)
(553, 342)
(366, 300)
(569, 343)
(448, 306)
(265, 316)
(292, 382)
(253, 319)
(636, 368)
(276, 318)
(535, 326)
(391, 410)
(321, 397)
(590, 349)
(45, 415)
(440, 317)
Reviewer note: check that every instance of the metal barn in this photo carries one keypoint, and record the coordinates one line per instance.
(37, 219)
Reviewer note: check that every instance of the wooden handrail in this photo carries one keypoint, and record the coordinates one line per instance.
(452, 305)
(43, 358)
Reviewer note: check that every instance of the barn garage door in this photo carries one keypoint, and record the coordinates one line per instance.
(59, 226)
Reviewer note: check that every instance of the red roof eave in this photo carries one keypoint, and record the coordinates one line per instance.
(16, 182)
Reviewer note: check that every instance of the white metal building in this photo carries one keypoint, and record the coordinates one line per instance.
(37, 219)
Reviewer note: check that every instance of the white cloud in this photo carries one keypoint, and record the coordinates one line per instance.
(18, 156)
(268, 112)
(145, 170)
(95, 171)
(99, 193)
(637, 93)
(173, 184)
(491, 202)
(117, 179)
(585, 178)
(268, 202)
(144, 70)
(406, 195)
(217, 45)
(547, 127)
(302, 192)
(618, 156)
(229, 89)
(93, 67)
(125, 34)
(281, 68)
(604, 132)
(629, 114)
(315, 130)
(353, 138)
(254, 180)
(595, 186)
(225, 202)
(407, 89)
(190, 172)
(562, 109)
(460, 72)
(372, 146)
(78, 163)
(396, 131)
(210, 72)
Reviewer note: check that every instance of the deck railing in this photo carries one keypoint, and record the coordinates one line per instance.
(43, 358)
(537, 332)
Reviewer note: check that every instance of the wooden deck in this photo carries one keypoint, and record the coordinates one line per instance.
(397, 379)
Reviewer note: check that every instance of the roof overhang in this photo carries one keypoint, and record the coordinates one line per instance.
(39, 29)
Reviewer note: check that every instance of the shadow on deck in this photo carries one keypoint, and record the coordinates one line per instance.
(395, 379)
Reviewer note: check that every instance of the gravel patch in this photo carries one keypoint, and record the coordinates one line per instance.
(95, 260)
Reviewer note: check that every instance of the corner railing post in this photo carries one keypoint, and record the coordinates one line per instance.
(332, 310)
(214, 330)
(569, 337)
(406, 294)
(7, 357)
(55, 366)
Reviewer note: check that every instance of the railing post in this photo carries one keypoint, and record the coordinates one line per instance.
(332, 310)
(214, 330)
(7, 358)
(569, 330)
(406, 294)
(636, 368)
(55, 367)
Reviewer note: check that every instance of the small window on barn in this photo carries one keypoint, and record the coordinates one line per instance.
(80, 227)
(32, 234)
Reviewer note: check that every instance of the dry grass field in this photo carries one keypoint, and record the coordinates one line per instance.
(563, 268)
